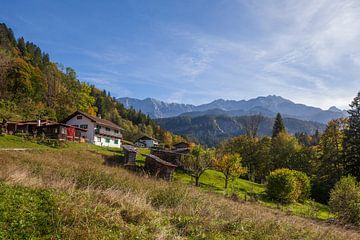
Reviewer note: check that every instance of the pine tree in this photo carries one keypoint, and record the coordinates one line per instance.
(22, 46)
(278, 126)
(352, 139)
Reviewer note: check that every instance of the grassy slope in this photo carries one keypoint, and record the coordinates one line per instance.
(10, 141)
(89, 200)
(213, 181)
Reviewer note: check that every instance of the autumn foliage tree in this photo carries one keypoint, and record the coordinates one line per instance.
(198, 161)
(230, 165)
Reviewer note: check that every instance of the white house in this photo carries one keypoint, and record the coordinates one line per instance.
(100, 131)
(146, 141)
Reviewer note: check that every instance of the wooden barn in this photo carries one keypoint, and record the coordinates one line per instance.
(129, 154)
(158, 167)
(26, 127)
(168, 156)
(182, 147)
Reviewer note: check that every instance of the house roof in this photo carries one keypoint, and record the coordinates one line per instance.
(62, 124)
(129, 148)
(181, 143)
(32, 122)
(159, 160)
(97, 120)
(145, 137)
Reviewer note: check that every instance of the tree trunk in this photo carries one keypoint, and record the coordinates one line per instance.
(197, 181)
(226, 181)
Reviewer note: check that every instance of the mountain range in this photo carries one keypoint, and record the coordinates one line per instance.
(267, 106)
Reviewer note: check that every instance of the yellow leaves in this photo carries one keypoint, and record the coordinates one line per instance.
(229, 163)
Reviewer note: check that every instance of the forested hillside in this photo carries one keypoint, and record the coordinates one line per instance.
(210, 130)
(32, 87)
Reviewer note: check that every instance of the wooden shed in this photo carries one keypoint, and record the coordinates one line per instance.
(182, 147)
(129, 154)
(158, 167)
(168, 156)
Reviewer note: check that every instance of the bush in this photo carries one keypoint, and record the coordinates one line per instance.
(345, 200)
(303, 186)
(286, 186)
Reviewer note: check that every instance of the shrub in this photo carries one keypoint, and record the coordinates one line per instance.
(345, 200)
(303, 186)
(285, 186)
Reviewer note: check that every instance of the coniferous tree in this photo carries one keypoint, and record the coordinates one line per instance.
(278, 126)
(22, 46)
(352, 139)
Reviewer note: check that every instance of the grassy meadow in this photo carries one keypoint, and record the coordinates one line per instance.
(70, 193)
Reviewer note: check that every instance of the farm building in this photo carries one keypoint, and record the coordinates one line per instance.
(158, 167)
(182, 147)
(26, 127)
(168, 156)
(129, 154)
(147, 142)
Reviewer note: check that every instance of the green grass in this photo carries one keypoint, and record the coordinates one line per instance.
(27, 213)
(12, 141)
(213, 181)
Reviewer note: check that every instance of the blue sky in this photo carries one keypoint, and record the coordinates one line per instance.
(195, 51)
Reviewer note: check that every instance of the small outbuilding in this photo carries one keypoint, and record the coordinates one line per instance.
(129, 154)
(158, 167)
(182, 147)
(168, 156)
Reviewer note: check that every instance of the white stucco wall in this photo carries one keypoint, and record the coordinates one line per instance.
(101, 141)
(84, 121)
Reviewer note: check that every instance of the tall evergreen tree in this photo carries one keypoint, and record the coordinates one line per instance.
(278, 126)
(352, 139)
(22, 46)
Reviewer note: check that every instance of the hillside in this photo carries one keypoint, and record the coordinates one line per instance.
(86, 199)
(33, 87)
(267, 106)
(212, 129)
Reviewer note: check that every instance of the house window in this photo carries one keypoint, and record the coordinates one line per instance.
(84, 126)
(116, 141)
(79, 117)
(75, 125)
(99, 139)
(98, 126)
(116, 131)
(107, 129)
(107, 140)
(63, 130)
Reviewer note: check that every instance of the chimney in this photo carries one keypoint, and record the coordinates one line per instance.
(99, 116)
(38, 122)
